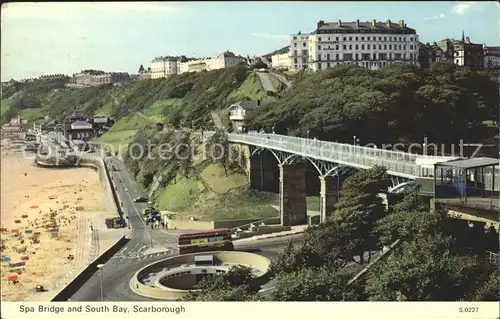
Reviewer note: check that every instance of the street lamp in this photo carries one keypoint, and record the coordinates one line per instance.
(307, 134)
(354, 140)
(273, 129)
(100, 266)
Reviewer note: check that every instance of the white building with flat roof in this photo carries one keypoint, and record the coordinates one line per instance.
(281, 61)
(163, 67)
(221, 61)
(369, 44)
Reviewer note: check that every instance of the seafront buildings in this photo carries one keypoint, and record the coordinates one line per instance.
(371, 44)
(162, 67)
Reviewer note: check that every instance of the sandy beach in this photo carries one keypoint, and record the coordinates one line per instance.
(40, 221)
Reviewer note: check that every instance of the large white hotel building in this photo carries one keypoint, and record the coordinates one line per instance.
(369, 44)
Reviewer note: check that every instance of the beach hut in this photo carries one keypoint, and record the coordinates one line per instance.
(13, 278)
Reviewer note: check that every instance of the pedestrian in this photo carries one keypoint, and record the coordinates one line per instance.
(91, 227)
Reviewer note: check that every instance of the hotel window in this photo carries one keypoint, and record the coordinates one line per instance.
(345, 39)
(336, 47)
(380, 46)
(336, 57)
(390, 46)
(345, 47)
(336, 38)
(385, 38)
(380, 38)
(350, 38)
(350, 46)
(356, 38)
(362, 47)
(367, 38)
(319, 47)
(328, 64)
(400, 46)
(357, 47)
(319, 39)
(362, 38)
(385, 46)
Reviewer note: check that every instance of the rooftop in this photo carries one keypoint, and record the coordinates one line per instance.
(246, 104)
(476, 162)
(383, 27)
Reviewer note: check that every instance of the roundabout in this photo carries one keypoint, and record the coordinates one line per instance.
(172, 278)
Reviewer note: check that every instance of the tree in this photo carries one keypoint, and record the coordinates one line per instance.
(359, 209)
(426, 269)
(430, 263)
(141, 69)
(308, 284)
(259, 65)
(234, 285)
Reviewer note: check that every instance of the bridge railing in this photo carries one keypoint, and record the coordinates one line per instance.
(400, 163)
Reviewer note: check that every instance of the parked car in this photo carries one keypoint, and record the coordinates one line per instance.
(140, 199)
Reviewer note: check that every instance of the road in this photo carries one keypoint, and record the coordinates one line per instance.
(138, 253)
(267, 84)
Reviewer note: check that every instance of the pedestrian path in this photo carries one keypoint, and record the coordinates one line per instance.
(296, 230)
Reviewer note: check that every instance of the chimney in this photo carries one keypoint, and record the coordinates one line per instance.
(388, 23)
(320, 23)
(374, 23)
(402, 23)
(357, 23)
(340, 23)
(467, 39)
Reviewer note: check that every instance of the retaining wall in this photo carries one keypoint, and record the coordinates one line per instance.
(209, 225)
(97, 163)
(80, 279)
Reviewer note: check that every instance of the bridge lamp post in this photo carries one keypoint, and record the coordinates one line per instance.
(354, 140)
(307, 133)
(272, 129)
(424, 146)
(101, 266)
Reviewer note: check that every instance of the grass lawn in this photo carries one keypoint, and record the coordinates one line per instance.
(156, 112)
(118, 139)
(250, 89)
(238, 203)
(217, 180)
(179, 194)
(33, 114)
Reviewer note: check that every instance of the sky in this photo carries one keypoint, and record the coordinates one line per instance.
(47, 38)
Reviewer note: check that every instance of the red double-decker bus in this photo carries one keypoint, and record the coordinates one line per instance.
(217, 239)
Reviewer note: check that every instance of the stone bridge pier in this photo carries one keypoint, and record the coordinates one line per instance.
(262, 172)
(293, 205)
(329, 194)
